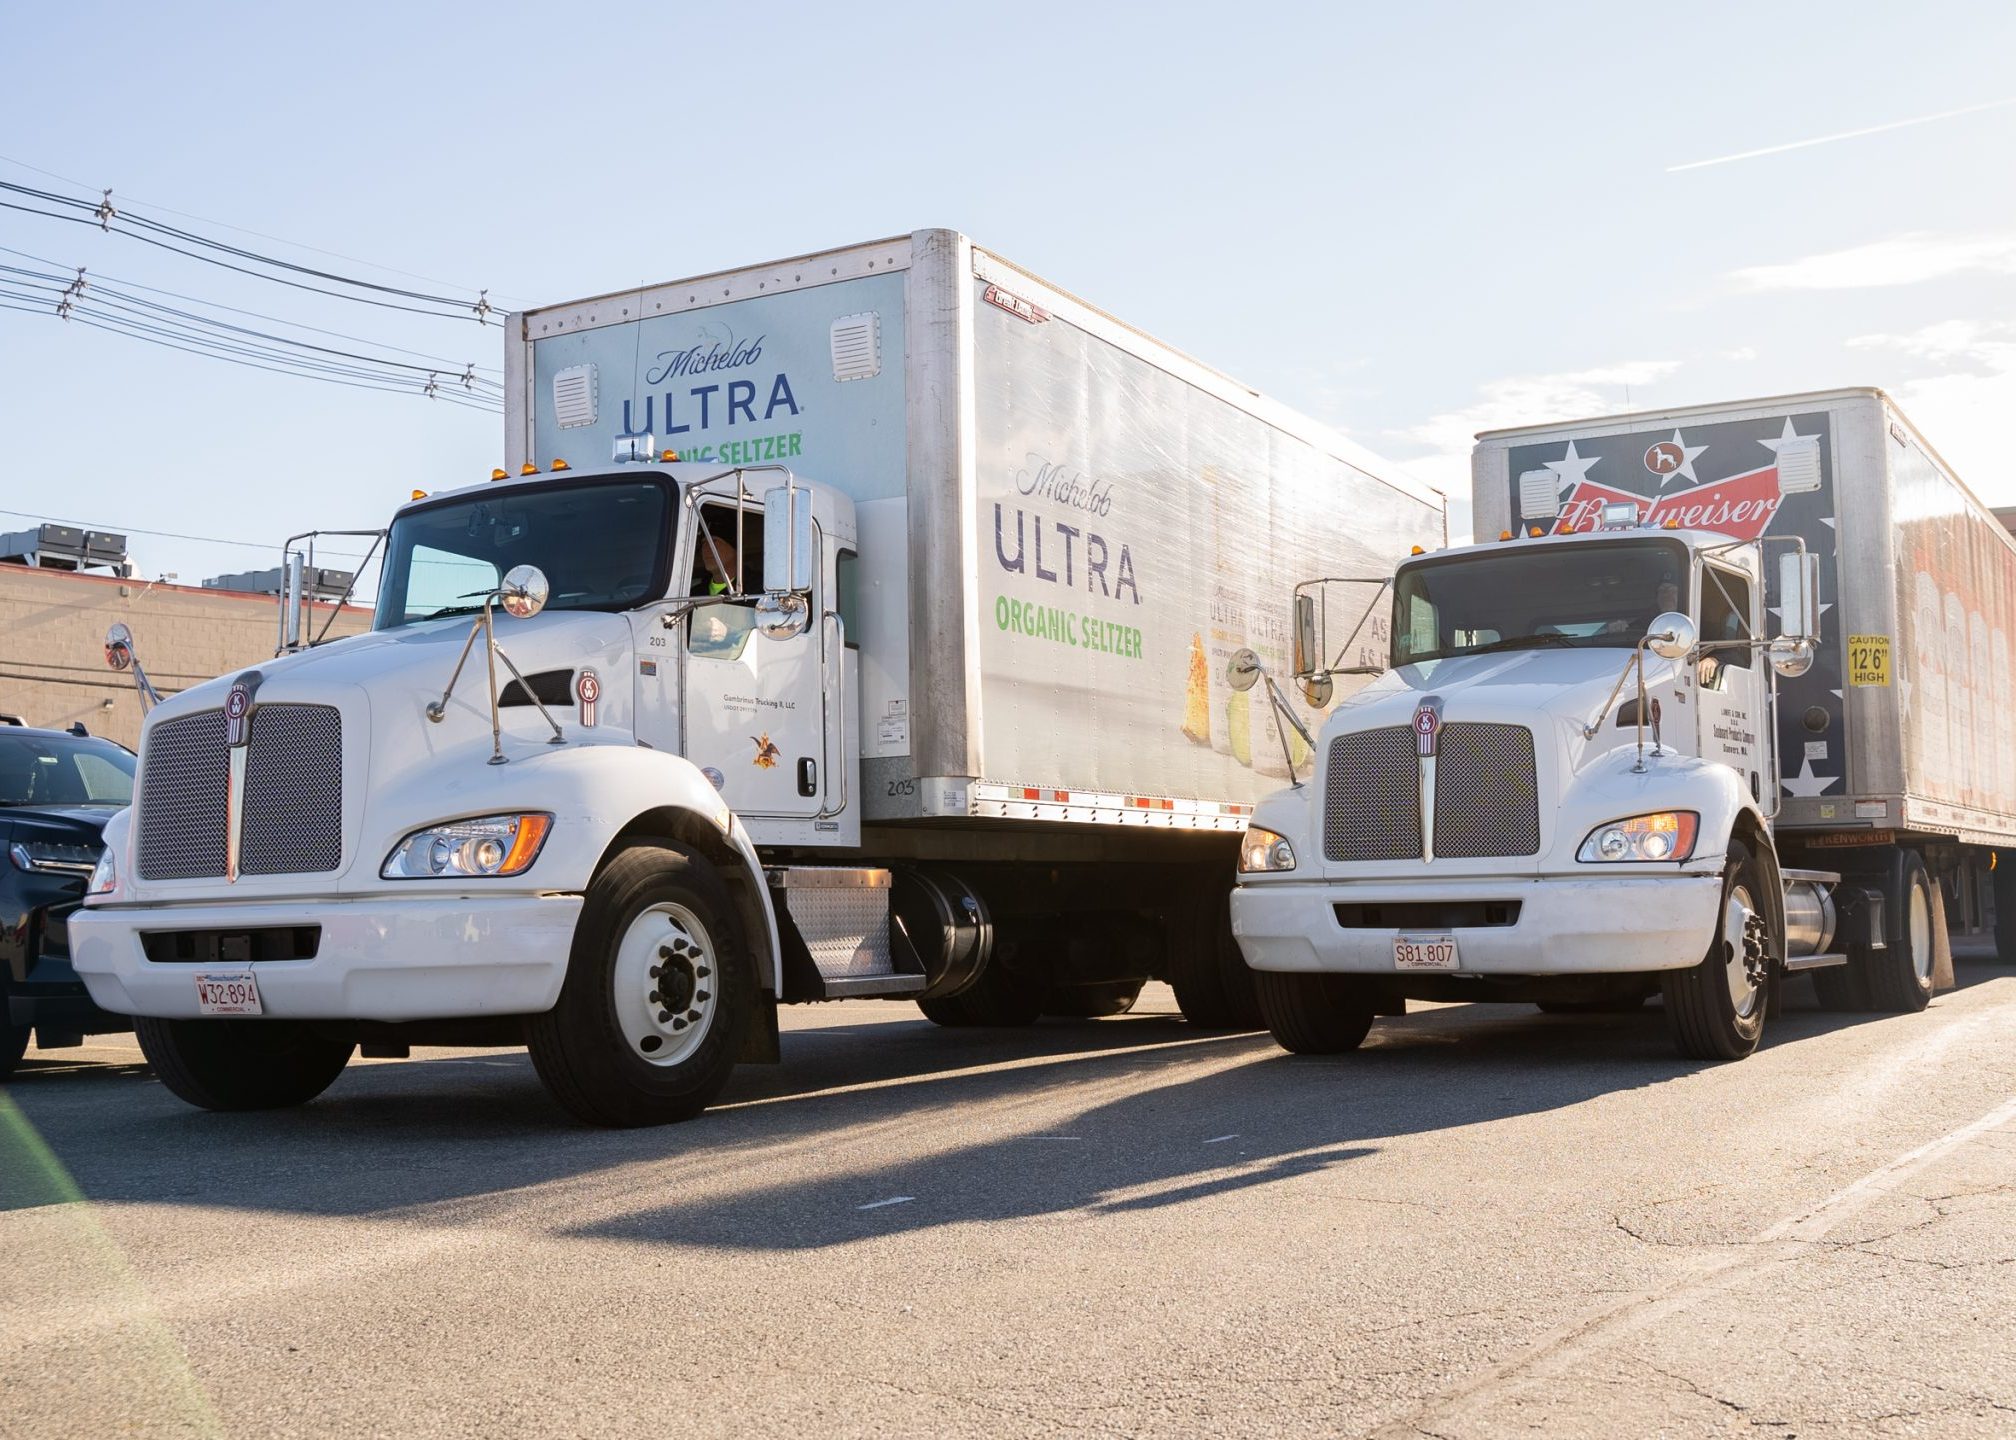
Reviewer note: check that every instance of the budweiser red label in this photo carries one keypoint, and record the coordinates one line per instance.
(1740, 506)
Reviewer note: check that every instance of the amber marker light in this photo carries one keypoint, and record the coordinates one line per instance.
(670, 457)
(422, 494)
(1417, 550)
(528, 468)
(1504, 534)
(559, 465)
(500, 474)
(525, 844)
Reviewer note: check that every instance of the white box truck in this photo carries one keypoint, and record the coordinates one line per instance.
(1721, 695)
(856, 625)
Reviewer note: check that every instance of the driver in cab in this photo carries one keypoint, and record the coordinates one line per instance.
(717, 631)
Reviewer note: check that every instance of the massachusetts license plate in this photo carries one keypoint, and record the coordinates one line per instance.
(1424, 952)
(228, 992)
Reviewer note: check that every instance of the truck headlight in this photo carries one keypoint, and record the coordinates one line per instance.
(104, 876)
(488, 845)
(48, 857)
(1667, 835)
(1263, 850)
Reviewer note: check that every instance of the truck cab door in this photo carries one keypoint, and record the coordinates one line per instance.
(1735, 728)
(757, 709)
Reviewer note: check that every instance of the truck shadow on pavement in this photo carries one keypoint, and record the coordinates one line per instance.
(1095, 1117)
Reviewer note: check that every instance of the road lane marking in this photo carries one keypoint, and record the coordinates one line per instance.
(892, 1200)
(1221, 1139)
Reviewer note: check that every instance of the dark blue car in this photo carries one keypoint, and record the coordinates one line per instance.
(57, 790)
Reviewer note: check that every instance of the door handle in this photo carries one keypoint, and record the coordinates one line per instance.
(808, 776)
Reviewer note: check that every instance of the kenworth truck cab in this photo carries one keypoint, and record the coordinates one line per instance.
(1562, 790)
(423, 823)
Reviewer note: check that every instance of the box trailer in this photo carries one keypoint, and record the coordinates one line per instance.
(866, 627)
(1814, 617)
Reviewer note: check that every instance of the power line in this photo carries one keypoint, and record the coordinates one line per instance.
(219, 349)
(98, 277)
(242, 230)
(81, 291)
(227, 265)
(104, 212)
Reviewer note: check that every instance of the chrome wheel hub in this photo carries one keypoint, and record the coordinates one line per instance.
(1746, 953)
(665, 983)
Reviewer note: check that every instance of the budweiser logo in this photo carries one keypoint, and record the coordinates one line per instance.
(1740, 507)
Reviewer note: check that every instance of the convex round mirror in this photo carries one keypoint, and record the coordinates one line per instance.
(523, 591)
(119, 647)
(1671, 636)
(1242, 671)
(1790, 657)
(780, 615)
(1317, 690)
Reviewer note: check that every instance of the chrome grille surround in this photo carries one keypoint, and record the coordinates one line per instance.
(293, 815)
(1372, 796)
(1487, 794)
(179, 803)
(293, 791)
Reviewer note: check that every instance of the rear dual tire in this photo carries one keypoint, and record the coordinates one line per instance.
(1898, 978)
(1214, 988)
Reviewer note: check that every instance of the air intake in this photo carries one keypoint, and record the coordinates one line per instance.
(574, 397)
(857, 346)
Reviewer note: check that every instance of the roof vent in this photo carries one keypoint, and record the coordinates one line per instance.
(1799, 465)
(574, 396)
(857, 346)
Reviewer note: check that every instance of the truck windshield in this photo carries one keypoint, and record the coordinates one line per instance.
(1582, 594)
(603, 545)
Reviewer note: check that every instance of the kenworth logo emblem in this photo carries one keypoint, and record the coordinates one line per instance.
(238, 706)
(237, 712)
(1427, 724)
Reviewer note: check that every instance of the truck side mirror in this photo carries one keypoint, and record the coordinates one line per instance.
(1799, 595)
(1672, 636)
(787, 538)
(1308, 636)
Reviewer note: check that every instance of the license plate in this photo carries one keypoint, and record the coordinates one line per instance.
(1424, 952)
(228, 992)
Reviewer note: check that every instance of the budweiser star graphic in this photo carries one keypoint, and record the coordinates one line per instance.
(1740, 507)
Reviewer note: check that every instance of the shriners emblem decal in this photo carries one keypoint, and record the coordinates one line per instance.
(589, 689)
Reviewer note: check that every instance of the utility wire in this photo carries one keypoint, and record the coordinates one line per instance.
(227, 265)
(161, 534)
(103, 281)
(242, 230)
(105, 212)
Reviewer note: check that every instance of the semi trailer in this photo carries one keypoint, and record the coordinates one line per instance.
(853, 625)
(1720, 696)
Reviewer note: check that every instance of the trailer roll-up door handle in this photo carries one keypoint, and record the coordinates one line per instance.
(808, 775)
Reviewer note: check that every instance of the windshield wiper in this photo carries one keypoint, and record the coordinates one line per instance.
(447, 610)
(1514, 642)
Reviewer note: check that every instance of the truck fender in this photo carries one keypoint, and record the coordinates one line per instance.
(604, 795)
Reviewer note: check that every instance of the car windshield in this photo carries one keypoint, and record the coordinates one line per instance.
(603, 545)
(42, 769)
(1581, 594)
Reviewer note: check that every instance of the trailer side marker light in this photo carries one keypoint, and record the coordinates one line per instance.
(528, 468)
(558, 465)
(500, 475)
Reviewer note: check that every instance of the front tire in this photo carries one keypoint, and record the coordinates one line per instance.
(1716, 1007)
(658, 992)
(1313, 1014)
(241, 1064)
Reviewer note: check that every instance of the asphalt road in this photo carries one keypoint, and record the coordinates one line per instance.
(1487, 1223)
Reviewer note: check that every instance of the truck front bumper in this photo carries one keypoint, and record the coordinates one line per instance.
(1614, 925)
(375, 959)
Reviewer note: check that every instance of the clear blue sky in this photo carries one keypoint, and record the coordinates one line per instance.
(1409, 220)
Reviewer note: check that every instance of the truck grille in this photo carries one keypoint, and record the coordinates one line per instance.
(293, 815)
(1372, 797)
(1487, 800)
